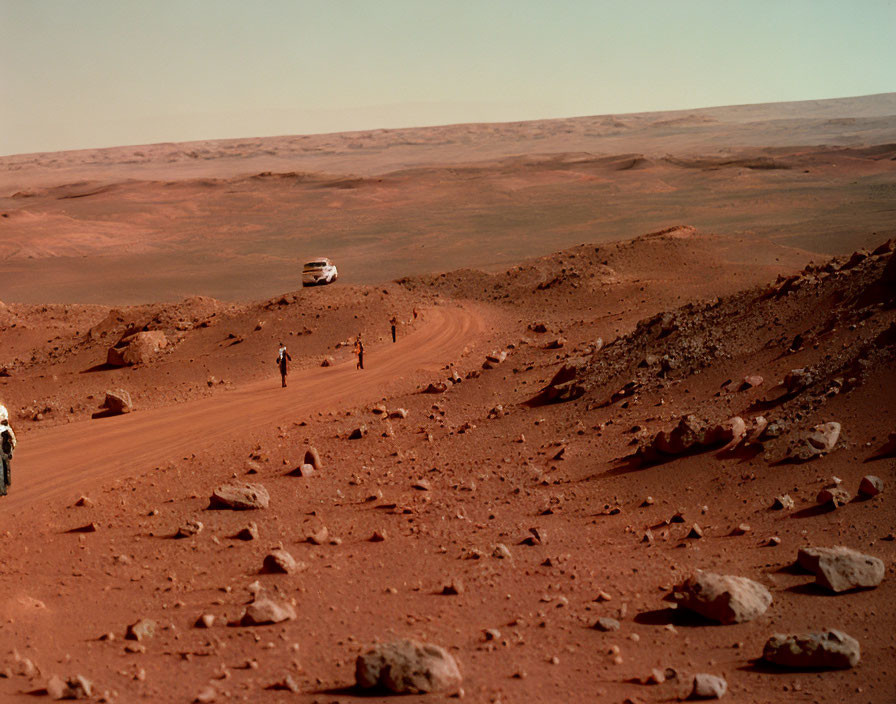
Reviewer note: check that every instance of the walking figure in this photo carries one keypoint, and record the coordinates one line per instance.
(359, 350)
(7, 446)
(283, 360)
(393, 322)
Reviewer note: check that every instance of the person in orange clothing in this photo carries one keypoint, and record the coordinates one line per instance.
(359, 350)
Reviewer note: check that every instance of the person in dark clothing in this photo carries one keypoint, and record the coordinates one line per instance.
(359, 350)
(283, 360)
(7, 446)
(393, 322)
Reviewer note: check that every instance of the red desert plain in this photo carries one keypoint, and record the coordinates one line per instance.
(634, 441)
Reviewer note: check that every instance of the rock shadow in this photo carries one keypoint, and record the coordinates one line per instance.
(100, 368)
(355, 692)
(106, 413)
(810, 511)
(763, 667)
(676, 617)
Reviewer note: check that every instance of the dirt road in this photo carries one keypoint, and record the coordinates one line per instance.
(69, 459)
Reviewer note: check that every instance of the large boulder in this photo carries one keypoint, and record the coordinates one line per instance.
(722, 598)
(407, 667)
(137, 348)
(828, 650)
(841, 569)
(240, 497)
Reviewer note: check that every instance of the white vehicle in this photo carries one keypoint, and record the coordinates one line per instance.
(318, 272)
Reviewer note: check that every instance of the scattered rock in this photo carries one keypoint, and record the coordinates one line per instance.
(836, 496)
(318, 536)
(312, 457)
(829, 650)
(696, 532)
(708, 687)
(206, 695)
(85, 501)
(205, 621)
(783, 503)
(288, 684)
(189, 529)
(841, 569)
(797, 379)
(494, 359)
(723, 598)
(378, 536)
(117, 402)
(453, 588)
(303, 470)
(328, 361)
(888, 449)
(692, 434)
(818, 441)
(278, 561)
(537, 536)
(656, 676)
(871, 485)
(564, 386)
(265, 611)
(250, 532)
(606, 624)
(398, 413)
(407, 667)
(751, 381)
(78, 687)
(240, 497)
(358, 433)
(501, 552)
(144, 629)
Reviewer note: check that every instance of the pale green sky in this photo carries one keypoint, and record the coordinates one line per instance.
(94, 73)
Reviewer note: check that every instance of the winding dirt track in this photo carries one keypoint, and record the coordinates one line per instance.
(71, 458)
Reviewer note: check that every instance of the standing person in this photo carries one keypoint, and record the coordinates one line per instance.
(393, 322)
(359, 350)
(283, 360)
(7, 446)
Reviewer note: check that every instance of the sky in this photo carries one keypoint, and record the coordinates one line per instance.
(78, 74)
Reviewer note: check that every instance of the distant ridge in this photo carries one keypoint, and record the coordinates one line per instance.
(855, 121)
